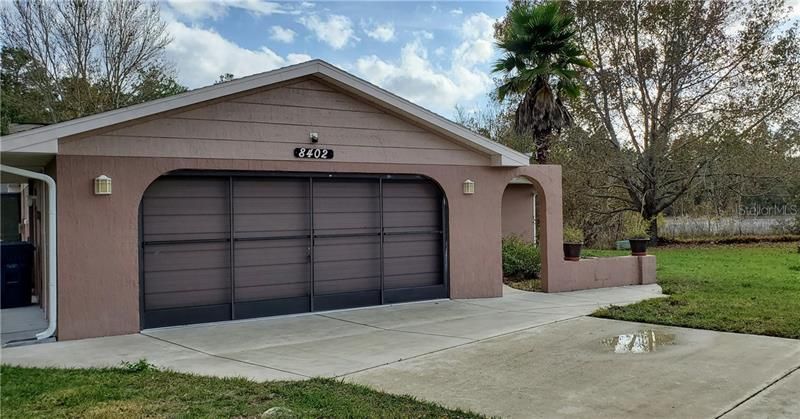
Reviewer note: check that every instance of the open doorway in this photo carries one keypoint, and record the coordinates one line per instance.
(519, 209)
(23, 233)
(522, 261)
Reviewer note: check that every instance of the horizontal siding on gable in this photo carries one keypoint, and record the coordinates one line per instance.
(280, 133)
(313, 99)
(268, 125)
(255, 150)
(253, 112)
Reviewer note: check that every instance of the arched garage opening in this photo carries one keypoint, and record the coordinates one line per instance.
(226, 246)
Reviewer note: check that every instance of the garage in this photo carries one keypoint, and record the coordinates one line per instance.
(218, 247)
(301, 189)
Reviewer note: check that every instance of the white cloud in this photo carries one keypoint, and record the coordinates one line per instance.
(416, 79)
(281, 34)
(457, 12)
(478, 26)
(382, 32)
(297, 58)
(440, 88)
(214, 9)
(477, 46)
(201, 55)
(336, 30)
(423, 35)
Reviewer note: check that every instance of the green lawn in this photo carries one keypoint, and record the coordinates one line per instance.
(745, 289)
(144, 392)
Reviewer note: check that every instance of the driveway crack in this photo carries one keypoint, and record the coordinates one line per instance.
(225, 357)
(761, 390)
(386, 329)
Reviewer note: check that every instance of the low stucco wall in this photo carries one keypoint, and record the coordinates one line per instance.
(607, 272)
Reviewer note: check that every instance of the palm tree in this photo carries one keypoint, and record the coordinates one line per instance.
(540, 51)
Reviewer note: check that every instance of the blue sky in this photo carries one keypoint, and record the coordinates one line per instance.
(436, 54)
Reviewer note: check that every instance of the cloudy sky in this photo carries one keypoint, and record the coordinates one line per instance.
(436, 54)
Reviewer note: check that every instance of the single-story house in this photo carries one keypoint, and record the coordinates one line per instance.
(296, 190)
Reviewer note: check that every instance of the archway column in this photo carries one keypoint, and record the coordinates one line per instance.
(546, 180)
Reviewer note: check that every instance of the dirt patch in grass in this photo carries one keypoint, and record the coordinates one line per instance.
(533, 285)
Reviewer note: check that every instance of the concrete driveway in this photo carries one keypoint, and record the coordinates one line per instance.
(523, 355)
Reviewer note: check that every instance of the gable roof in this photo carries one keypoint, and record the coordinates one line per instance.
(45, 139)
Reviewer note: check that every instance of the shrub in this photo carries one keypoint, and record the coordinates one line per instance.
(520, 259)
(573, 234)
(635, 227)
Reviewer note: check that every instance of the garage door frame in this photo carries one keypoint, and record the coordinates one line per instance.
(389, 296)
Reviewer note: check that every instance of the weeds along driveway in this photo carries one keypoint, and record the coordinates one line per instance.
(523, 355)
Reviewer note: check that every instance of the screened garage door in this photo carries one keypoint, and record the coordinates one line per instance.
(232, 247)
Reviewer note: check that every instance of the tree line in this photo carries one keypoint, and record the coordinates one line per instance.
(72, 58)
(650, 106)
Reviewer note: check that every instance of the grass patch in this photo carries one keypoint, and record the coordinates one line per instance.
(532, 285)
(745, 289)
(137, 391)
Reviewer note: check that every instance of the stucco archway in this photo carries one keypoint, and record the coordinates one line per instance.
(545, 182)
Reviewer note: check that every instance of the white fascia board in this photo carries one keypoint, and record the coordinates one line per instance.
(23, 145)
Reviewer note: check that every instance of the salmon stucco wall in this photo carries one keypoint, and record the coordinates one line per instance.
(99, 235)
(98, 239)
(518, 211)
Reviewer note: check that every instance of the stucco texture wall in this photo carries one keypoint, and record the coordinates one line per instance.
(518, 211)
(99, 235)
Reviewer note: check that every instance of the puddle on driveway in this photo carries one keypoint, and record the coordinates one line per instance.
(641, 342)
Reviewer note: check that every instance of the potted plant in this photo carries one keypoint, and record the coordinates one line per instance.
(636, 233)
(573, 241)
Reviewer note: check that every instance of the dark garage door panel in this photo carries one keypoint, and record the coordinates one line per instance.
(271, 208)
(272, 235)
(413, 246)
(185, 281)
(347, 264)
(185, 209)
(186, 246)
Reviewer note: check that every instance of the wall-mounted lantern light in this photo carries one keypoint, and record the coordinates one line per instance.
(314, 137)
(102, 185)
(469, 187)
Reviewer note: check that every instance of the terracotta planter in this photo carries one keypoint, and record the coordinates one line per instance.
(638, 246)
(572, 251)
